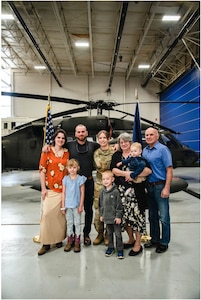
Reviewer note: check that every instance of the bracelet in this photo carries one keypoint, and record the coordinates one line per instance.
(62, 208)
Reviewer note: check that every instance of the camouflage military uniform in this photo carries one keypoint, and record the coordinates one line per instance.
(102, 159)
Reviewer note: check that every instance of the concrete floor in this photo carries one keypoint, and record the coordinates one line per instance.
(174, 274)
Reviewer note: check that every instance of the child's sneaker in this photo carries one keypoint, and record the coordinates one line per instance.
(109, 252)
(120, 254)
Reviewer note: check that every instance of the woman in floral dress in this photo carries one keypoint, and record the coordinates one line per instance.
(52, 168)
(133, 219)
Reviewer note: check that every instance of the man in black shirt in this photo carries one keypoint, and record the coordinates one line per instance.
(83, 150)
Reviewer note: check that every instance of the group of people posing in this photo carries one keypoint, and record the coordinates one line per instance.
(127, 179)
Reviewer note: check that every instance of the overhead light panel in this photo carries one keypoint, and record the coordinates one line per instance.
(7, 17)
(143, 66)
(171, 18)
(82, 44)
(39, 67)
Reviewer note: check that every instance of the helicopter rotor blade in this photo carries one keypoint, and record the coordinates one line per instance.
(159, 102)
(99, 105)
(154, 124)
(105, 105)
(56, 115)
(44, 97)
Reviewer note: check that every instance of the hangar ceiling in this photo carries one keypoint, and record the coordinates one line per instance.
(121, 36)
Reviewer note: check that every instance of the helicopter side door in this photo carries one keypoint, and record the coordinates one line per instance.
(30, 145)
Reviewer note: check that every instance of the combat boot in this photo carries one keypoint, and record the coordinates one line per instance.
(69, 245)
(99, 239)
(77, 247)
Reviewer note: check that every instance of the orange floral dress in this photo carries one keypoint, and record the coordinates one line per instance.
(53, 222)
(54, 168)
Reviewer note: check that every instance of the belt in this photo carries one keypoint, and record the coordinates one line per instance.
(90, 177)
(156, 183)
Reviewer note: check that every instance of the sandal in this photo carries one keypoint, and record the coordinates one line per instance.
(87, 241)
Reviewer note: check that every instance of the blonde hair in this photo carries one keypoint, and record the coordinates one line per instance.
(137, 145)
(109, 172)
(73, 163)
(106, 133)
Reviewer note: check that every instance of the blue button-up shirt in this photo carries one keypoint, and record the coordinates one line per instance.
(159, 157)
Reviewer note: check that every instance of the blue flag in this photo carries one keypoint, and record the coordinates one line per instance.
(137, 135)
(49, 130)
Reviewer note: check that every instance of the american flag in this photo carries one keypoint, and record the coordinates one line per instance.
(49, 130)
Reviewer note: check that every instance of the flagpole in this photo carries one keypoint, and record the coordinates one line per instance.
(46, 117)
(136, 94)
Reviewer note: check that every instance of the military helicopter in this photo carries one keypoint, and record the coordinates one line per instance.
(21, 149)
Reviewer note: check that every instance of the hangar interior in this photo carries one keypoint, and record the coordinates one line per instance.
(129, 52)
(130, 56)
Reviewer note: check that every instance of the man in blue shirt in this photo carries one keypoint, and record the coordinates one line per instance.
(160, 160)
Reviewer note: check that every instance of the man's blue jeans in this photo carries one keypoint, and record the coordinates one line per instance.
(158, 215)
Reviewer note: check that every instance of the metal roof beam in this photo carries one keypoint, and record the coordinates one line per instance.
(118, 41)
(90, 37)
(191, 21)
(142, 38)
(33, 41)
(65, 34)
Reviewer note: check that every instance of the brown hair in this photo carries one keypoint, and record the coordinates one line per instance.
(81, 125)
(60, 130)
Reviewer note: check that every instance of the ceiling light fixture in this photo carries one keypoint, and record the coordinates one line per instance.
(39, 67)
(171, 18)
(143, 66)
(82, 44)
(7, 17)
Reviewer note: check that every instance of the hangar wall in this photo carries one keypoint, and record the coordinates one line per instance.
(183, 117)
(84, 88)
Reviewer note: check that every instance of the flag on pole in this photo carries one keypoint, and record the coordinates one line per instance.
(49, 130)
(137, 135)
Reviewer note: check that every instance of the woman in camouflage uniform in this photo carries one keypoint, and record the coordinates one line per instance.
(102, 159)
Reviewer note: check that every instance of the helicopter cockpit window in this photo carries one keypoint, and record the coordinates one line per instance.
(13, 124)
(169, 141)
(37, 131)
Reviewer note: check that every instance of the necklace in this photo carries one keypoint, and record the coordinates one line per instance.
(58, 153)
